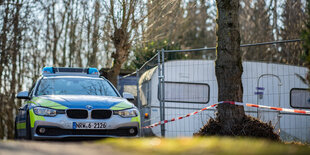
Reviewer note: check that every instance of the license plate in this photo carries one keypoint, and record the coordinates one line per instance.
(92, 125)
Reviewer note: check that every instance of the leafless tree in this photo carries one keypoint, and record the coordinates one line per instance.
(95, 36)
(124, 19)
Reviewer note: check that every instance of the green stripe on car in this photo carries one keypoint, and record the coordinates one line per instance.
(31, 102)
(136, 119)
(121, 106)
(48, 103)
(34, 117)
(21, 126)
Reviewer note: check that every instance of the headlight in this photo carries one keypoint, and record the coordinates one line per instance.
(44, 111)
(127, 113)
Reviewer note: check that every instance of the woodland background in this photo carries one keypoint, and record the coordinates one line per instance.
(124, 34)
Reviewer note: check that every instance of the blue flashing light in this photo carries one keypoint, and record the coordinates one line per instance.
(48, 70)
(93, 71)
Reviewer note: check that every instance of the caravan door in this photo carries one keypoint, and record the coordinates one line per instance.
(271, 87)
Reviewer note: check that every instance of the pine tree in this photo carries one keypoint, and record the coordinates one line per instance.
(293, 22)
(197, 33)
(305, 35)
(256, 28)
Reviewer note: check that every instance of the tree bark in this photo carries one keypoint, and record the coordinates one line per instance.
(55, 39)
(80, 42)
(16, 47)
(275, 19)
(47, 38)
(228, 67)
(123, 23)
(89, 39)
(56, 32)
(72, 43)
(120, 40)
(2, 62)
(120, 56)
(95, 36)
(64, 49)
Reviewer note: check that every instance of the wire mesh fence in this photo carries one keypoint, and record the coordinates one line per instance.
(177, 82)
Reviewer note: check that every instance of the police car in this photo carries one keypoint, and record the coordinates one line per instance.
(74, 102)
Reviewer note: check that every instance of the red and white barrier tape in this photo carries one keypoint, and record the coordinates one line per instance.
(181, 117)
(233, 103)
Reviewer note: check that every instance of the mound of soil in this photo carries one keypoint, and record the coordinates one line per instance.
(250, 127)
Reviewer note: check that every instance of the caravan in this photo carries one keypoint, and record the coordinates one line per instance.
(192, 85)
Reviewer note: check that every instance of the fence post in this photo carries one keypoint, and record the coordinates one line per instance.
(163, 90)
(138, 102)
(160, 91)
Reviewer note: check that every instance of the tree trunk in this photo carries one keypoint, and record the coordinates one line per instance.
(55, 39)
(275, 19)
(57, 32)
(88, 32)
(16, 47)
(64, 49)
(2, 62)
(79, 53)
(47, 39)
(3, 41)
(72, 42)
(120, 56)
(95, 36)
(120, 40)
(229, 64)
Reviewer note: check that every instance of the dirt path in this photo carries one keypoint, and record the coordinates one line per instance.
(55, 148)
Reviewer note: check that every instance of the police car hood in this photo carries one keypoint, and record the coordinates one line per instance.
(82, 102)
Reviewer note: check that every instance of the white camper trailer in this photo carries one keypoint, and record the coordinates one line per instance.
(191, 85)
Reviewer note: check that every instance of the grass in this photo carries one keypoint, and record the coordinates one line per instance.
(210, 145)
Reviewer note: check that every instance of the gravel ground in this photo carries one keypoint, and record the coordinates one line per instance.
(55, 148)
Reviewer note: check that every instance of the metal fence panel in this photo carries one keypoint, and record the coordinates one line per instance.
(268, 79)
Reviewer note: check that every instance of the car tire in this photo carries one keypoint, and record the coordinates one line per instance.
(28, 128)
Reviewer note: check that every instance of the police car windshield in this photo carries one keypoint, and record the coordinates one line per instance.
(75, 86)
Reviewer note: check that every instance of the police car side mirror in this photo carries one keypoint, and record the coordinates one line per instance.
(23, 95)
(128, 96)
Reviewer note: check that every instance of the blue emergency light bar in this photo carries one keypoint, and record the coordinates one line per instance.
(47, 70)
(93, 71)
(50, 71)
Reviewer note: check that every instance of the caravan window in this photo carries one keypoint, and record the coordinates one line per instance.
(300, 98)
(185, 92)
